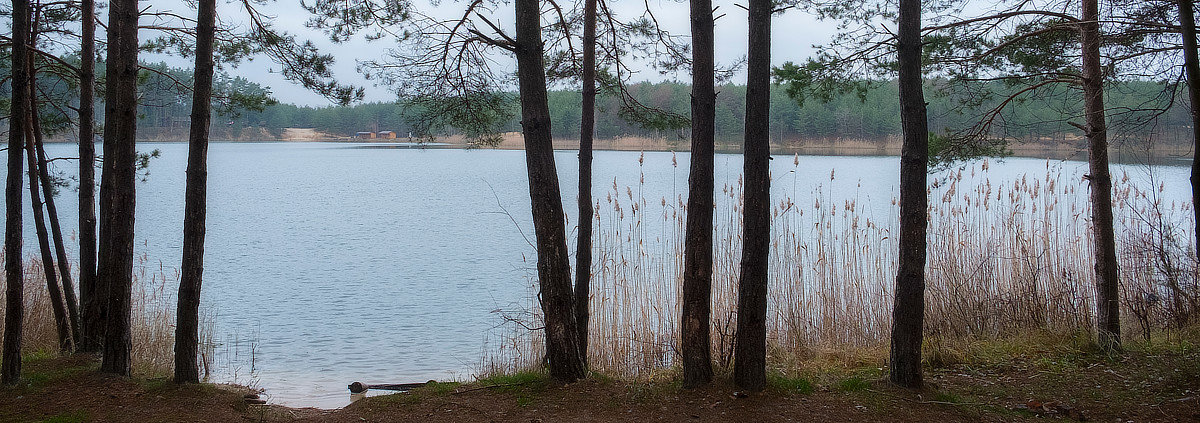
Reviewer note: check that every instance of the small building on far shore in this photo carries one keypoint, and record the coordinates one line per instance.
(366, 135)
(386, 135)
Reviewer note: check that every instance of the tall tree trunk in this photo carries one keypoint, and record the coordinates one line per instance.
(115, 260)
(92, 325)
(587, 132)
(908, 313)
(1191, 66)
(14, 276)
(1108, 319)
(750, 347)
(60, 248)
(554, 268)
(61, 323)
(187, 328)
(698, 242)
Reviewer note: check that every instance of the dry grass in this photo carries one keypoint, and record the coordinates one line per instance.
(1006, 261)
(153, 318)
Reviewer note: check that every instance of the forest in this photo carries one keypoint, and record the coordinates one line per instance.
(955, 292)
(871, 116)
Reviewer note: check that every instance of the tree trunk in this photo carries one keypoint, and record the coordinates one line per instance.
(60, 248)
(697, 249)
(115, 261)
(1191, 66)
(908, 313)
(92, 326)
(61, 323)
(14, 276)
(187, 328)
(750, 348)
(554, 269)
(587, 131)
(1108, 323)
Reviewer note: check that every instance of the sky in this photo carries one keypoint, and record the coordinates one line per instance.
(793, 34)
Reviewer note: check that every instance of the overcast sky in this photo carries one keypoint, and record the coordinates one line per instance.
(793, 34)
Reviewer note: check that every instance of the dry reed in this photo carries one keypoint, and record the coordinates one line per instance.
(1005, 260)
(152, 315)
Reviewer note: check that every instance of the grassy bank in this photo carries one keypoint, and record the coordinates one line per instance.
(1019, 379)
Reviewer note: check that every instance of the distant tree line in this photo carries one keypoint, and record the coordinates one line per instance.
(875, 116)
(872, 114)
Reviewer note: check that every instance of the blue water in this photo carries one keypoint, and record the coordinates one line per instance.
(337, 262)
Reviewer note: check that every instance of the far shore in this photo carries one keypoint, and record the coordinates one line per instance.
(1060, 149)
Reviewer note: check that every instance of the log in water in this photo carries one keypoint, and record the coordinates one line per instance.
(359, 387)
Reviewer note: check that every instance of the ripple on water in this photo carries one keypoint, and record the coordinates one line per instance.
(382, 265)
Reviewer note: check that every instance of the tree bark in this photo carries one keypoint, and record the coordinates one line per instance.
(92, 326)
(14, 295)
(187, 327)
(117, 185)
(697, 249)
(908, 313)
(61, 323)
(587, 131)
(60, 248)
(1108, 323)
(554, 269)
(750, 351)
(1191, 66)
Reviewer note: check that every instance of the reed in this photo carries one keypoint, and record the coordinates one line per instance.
(152, 314)
(1006, 260)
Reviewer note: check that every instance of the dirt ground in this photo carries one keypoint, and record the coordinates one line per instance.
(1159, 384)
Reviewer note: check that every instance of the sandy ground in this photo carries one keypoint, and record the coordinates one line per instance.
(1062, 148)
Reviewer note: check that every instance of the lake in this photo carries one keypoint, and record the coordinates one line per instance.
(328, 263)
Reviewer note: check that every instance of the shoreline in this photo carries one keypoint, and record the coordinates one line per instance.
(825, 147)
(1031, 380)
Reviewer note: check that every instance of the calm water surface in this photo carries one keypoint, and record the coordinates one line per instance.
(328, 263)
